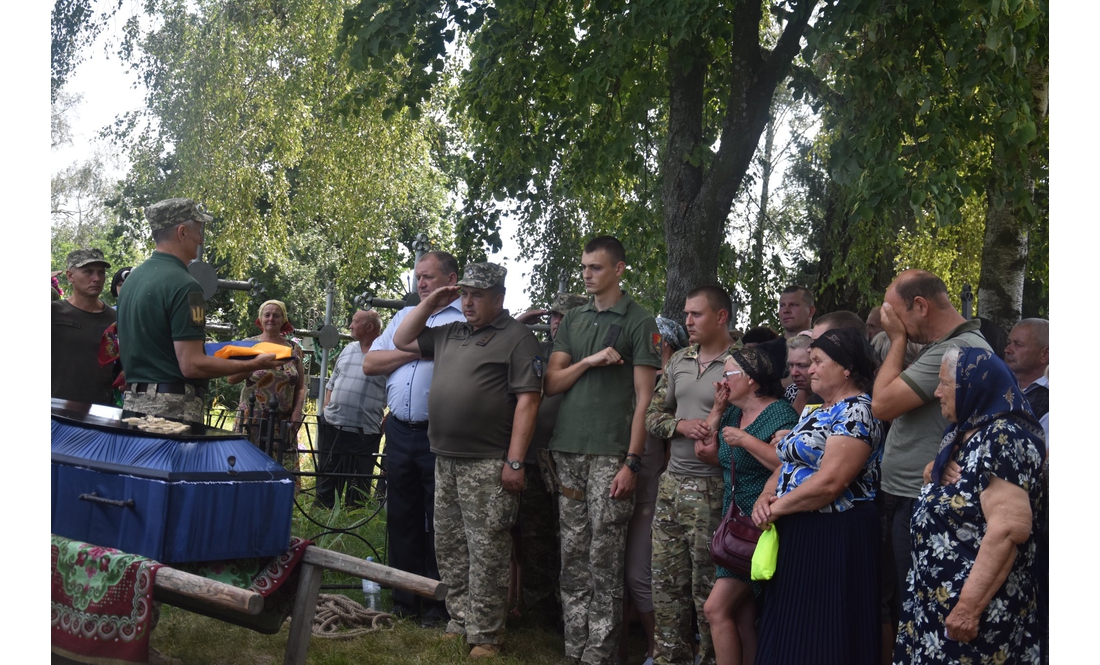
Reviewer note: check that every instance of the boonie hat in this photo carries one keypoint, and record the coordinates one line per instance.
(563, 302)
(169, 212)
(483, 275)
(82, 257)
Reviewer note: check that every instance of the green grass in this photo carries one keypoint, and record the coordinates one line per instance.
(196, 639)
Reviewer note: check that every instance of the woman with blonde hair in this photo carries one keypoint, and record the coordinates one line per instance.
(278, 393)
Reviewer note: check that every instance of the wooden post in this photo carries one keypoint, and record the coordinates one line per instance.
(391, 577)
(211, 592)
(301, 619)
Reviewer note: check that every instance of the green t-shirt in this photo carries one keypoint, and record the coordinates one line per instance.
(596, 412)
(914, 437)
(160, 304)
(477, 375)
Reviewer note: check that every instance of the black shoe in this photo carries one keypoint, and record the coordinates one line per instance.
(404, 612)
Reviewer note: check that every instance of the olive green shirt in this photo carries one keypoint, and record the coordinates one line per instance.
(683, 393)
(478, 373)
(596, 412)
(161, 304)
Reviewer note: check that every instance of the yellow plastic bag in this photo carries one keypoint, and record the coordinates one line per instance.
(766, 554)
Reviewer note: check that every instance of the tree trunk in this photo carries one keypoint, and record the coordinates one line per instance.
(696, 205)
(1004, 262)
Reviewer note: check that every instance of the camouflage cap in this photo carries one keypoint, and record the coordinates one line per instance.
(483, 275)
(82, 257)
(563, 302)
(169, 212)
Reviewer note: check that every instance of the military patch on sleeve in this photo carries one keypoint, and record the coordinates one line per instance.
(536, 364)
(198, 309)
(657, 343)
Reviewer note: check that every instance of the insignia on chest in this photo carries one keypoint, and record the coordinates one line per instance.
(485, 339)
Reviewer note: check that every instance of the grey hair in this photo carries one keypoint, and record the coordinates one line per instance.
(1040, 328)
(951, 357)
(798, 342)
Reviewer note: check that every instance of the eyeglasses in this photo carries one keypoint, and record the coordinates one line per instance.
(732, 372)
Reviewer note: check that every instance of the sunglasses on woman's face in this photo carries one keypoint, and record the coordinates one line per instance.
(732, 372)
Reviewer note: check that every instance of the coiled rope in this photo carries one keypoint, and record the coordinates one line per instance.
(340, 617)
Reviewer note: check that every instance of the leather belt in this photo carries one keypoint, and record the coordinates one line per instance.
(420, 424)
(175, 388)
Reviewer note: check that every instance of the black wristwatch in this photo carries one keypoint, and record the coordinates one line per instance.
(516, 466)
(634, 464)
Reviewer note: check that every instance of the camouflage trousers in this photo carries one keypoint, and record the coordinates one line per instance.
(593, 545)
(473, 544)
(688, 511)
(165, 405)
(539, 550)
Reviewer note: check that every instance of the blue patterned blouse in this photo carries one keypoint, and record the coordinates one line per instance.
(800, 451)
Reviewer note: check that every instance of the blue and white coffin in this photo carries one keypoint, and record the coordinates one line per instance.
(201, 495)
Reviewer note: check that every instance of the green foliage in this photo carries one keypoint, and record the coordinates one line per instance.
(953, 252)
(243, 114)
(929, 109)
(74, 26)
(568, 107)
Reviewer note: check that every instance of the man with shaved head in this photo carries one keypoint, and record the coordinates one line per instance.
(916, 308)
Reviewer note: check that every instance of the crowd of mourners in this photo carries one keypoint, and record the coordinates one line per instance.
(901, 459)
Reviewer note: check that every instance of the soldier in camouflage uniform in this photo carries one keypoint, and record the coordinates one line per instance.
(162, 318)
(689, 497)
(605, 360)
(482, 406)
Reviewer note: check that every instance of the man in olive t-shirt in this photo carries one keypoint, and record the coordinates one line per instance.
(915, 308)
(605, 361)
(689, 497)
(482, 406)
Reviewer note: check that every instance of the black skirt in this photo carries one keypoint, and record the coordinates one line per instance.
(822, 605)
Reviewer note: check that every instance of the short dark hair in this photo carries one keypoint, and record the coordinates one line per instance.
(923, 284)
(448, 264)
(841, 318)
(807, 295)
(759, 335)
(609, 244)
(165, 234)
(716, 297)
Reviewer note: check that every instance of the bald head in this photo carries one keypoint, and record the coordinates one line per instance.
(1027, 352)
(913, 284)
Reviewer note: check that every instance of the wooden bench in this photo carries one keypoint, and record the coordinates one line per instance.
(234, 605)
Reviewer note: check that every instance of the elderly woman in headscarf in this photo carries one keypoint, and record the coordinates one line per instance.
(281, 390)
(822, 603)
(972, 582)
(750, 404)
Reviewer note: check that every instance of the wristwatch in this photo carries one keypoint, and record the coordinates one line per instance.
(634, 464)
(516, 466)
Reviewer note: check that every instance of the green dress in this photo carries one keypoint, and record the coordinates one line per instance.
(751, 474)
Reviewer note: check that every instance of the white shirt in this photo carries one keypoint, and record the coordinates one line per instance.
(407, 387)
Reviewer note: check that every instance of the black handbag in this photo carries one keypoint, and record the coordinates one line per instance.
(734, 540)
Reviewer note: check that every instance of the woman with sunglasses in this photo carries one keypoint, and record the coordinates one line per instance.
(748, 409)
